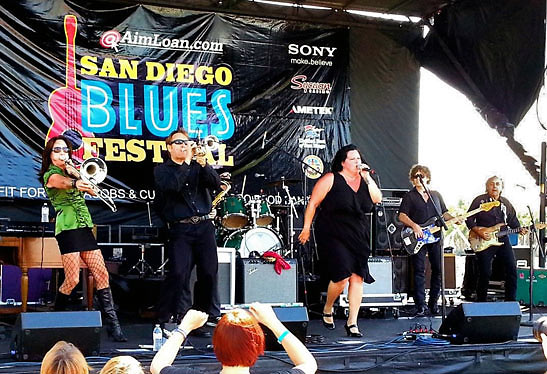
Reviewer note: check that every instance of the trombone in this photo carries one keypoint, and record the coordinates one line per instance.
(92, 171)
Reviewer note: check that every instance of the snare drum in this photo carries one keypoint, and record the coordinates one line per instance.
(259, 239)
(232, 213)
(265, 218)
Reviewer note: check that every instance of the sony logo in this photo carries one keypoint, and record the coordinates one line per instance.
(311, 50)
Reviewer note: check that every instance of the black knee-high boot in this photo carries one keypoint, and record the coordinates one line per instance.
(61, 302)
(107, 306)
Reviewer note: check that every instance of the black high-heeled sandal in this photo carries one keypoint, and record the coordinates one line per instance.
(352, 334)
(328, 325)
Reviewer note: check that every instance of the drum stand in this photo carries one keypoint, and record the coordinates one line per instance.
(255, 211)
(141, 267)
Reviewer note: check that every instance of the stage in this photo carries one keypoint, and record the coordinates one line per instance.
(382, 350)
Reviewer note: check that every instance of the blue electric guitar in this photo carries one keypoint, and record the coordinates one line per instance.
(412, 245)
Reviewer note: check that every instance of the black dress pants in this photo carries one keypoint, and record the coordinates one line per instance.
(188, 246)
(433, 252)
(504, 254)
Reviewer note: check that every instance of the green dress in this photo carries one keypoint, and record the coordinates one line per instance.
(70, 209)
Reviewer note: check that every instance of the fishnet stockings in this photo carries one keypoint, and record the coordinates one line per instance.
(71, 264)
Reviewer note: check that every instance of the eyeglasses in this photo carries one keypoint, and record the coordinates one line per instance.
(179, 141)
(59, 149)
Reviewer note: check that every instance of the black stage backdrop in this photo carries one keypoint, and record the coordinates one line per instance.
(272, 92)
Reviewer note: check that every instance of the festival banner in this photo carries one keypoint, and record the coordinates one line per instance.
(266, 94)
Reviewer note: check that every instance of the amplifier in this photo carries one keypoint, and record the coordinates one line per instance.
(258, 281)
(539, 290)
(381, 270)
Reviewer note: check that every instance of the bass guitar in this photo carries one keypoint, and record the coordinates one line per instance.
(412, 245)
(479, 244)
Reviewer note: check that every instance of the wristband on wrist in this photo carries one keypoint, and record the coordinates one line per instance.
(282, 336)
(181, 331)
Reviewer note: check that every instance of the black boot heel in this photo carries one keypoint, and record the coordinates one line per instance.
(111, 318)
(352, 334)
(328, 325)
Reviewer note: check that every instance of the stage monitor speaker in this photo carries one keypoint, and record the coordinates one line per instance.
(35, 333)
(295, 319)
(387, 228)
(258, 281)
(483, 322)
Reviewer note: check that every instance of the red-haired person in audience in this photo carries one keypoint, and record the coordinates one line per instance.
(64, 358)
(238, 342)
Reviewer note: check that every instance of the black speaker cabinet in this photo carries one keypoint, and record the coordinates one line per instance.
(35, 333)
(295, 319)
(258, 281)
(483, 322)
(387, 228)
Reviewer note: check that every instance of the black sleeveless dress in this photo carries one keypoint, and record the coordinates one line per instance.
(342, 231)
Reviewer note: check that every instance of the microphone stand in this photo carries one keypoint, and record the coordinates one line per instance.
(441, 223)
(533, 234)
(286, 188)
(293, 210)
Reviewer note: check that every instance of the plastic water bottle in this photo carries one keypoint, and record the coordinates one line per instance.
(157, 337)
(45, 213)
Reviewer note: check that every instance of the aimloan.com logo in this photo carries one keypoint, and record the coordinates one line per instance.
(113, 39)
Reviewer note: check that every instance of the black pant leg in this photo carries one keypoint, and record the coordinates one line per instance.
(435, 259)
(175, 294)
(470, 277)
(418, 263)
(205, 255)
(484, 259)
(507, 257)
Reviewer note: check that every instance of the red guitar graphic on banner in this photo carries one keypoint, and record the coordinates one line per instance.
(65, 103)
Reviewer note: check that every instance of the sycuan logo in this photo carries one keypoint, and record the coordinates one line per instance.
(299, 82)
(113, 39)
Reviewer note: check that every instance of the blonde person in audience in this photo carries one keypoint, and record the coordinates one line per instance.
(238, 341)
(122, 365)
(64, 358)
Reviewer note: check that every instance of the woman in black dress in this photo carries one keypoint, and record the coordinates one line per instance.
(342, 199)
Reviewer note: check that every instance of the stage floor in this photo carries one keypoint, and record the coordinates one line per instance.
(381, 350)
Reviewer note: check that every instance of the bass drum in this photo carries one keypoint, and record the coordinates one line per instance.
(259, 239)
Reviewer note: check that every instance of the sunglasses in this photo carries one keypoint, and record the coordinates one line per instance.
(417, 176)
(179, 141)
(59, 149)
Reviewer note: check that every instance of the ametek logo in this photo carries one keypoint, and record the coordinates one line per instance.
(302, 109)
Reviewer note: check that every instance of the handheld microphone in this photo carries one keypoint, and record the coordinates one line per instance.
(264, 139)
(363, 167)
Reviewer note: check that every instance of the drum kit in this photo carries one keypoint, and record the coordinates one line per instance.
(250, 226)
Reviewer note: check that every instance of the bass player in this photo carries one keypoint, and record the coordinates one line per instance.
(416, 209)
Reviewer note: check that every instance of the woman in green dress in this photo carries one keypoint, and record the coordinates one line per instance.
(73, 231)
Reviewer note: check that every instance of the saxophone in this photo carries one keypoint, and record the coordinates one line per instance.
(221, 194)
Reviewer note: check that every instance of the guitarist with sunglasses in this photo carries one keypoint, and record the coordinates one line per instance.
(481, 225)
(416, 209)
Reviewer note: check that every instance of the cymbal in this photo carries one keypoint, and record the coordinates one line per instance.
(283, 181)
